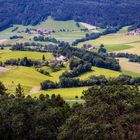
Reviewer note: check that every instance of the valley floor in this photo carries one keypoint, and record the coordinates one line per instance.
(30, 79)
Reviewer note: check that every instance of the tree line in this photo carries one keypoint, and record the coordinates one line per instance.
(77, 68)
(27, 46)
(93, 36)
(25, 61)
(68, 82)
(53, 40)
(131, 57)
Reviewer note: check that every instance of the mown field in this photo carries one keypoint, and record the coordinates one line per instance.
(8, 54)
(117, 42)
(129, 66)
(69, 36)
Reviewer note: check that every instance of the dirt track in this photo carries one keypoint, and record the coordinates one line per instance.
(2, 70)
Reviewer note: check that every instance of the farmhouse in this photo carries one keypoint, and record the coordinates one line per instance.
(58, 59)
(38, 31)
(89, 47)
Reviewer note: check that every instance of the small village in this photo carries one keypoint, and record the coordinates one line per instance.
(89, 47)
(134, 32)
(38, 31)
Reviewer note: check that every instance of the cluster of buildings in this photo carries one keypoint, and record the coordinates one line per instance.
(38, 31)
(89, 47)
(134, 32)
(58, 59)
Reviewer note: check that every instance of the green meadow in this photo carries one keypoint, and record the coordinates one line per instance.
(66, 93)
(28, 77)
(69, 36)
(8, 54)
(57, 25)
(117, 42)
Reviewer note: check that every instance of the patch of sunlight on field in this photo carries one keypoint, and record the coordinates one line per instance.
(26, 76)
(100, 71)
(8, 54)
(66, 93)
(107, 73)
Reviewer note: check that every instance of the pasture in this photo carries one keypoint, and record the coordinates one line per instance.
(66, 93)
(100, 71)
(129, 66)
(8, 54)
(118, 42)
(29, 78)
(109, 73)
(57, 25)
(69, 36)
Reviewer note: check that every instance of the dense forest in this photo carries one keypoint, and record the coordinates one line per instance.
(109, 113)
(97, 12)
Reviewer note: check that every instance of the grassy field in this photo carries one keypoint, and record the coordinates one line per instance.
(109, 73)
(117, 42)
(67, 93)
(8, 54)
(69, 36)
(129, 66)
(100, 71)
(118, 47)
(28, 77)
(57, 25)
(71, 93)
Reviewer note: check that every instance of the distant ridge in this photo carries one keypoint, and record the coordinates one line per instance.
(101, 13)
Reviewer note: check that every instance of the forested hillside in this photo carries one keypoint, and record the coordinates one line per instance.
(96, 12)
